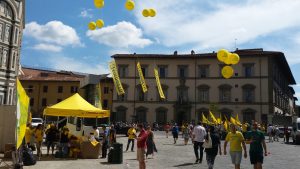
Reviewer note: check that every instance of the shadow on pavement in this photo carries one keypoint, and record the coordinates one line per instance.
(184, 164)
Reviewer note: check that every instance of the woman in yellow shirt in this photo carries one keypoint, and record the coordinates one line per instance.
(28, 134)
(39, 139)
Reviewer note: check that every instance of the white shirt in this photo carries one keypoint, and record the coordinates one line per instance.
(270, 128)
(96, 133)
(199, 133)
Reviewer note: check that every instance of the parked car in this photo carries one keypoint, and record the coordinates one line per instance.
(281, 131)
(296, 131)
(36, 121)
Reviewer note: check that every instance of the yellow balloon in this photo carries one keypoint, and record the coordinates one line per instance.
(227, 72)
(234, 58)
(222, 55)
(129, 5)
(152, 12)
(227, 61)
(146, 13)
(92, 26)
(100, 23)
(99, 3)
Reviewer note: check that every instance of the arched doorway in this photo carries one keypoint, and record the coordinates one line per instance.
(141, 114)
(161, 115)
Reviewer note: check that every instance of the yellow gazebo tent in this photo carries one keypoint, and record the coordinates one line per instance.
(75, 106)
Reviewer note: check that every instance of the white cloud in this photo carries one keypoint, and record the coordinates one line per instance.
(71, 64)
(86, 13)
(47, 47)
(122, 35)
(188, 22)
(54, 32)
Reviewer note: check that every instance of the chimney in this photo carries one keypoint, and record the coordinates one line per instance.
(175, 52)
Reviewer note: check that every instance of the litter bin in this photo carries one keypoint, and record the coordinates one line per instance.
(115, 155)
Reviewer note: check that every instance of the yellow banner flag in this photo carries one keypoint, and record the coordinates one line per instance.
(233, 121)
(219, 121)
(226, 125)
(214, 120)
(22, 112)
(98, 102)
(205, 120)
(160, 91)
(116, 78)
(142, 79)
(237, 120)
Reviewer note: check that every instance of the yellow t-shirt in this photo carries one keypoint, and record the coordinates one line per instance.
(28, 134)
(131, 133)
(235, 141)
(38, 135)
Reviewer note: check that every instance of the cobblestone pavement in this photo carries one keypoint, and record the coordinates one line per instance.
(170, 156)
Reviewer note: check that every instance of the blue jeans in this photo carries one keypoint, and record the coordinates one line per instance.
(64, 148)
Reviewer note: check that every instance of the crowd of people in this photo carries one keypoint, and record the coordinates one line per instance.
(67, 144)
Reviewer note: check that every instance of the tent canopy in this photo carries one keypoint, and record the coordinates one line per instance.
(75, 106)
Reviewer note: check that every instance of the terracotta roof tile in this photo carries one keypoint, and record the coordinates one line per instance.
(46, 75)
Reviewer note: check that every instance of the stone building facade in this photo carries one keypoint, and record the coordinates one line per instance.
(11, 30)
(259, 89)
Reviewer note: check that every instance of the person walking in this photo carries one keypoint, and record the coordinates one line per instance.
(186, 134)
(141, 146)
(287, 134)
(105, 142)
(51, 137)
(199, 134)
(175, 132)
(212, 152)
(131, 136)
(167, 128)
(236, 140)
(151, 148)
(257, 146)
(39, 139)
(270, 133)
(277, 132)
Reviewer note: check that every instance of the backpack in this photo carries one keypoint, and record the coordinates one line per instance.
(28, 157)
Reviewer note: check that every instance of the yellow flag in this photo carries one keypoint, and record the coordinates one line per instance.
(160, 91)
(22, 112)
(233, 121)
(219, 121)
(226, 125)
(205, 120)
(214, 120)
(237, 120)
(142, 79)
(116, 78)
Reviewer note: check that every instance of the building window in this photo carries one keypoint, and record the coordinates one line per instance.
(225, 93)
(119, 115)
(106, 90)
(74, 89)
(248, 70)
(182, 94)
(31, 102)
(203, 71)
(203, 93)
(161, 115)
(58, 100)
(141, 114)
(248, 116)
(248, 93)
(16, 35)
(44, 102)
(182, 71)
(45, 89)
(105, 104)
(144, 70)
(30, 89)
(162, 70)
(141, 96)
(123, 70)
(60, 89)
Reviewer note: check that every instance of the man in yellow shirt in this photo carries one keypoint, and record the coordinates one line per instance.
(236, 140)
(131, 136)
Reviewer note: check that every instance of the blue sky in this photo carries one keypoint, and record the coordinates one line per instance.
(56, 34)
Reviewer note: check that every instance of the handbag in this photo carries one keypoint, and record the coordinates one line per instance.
(207, 143)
